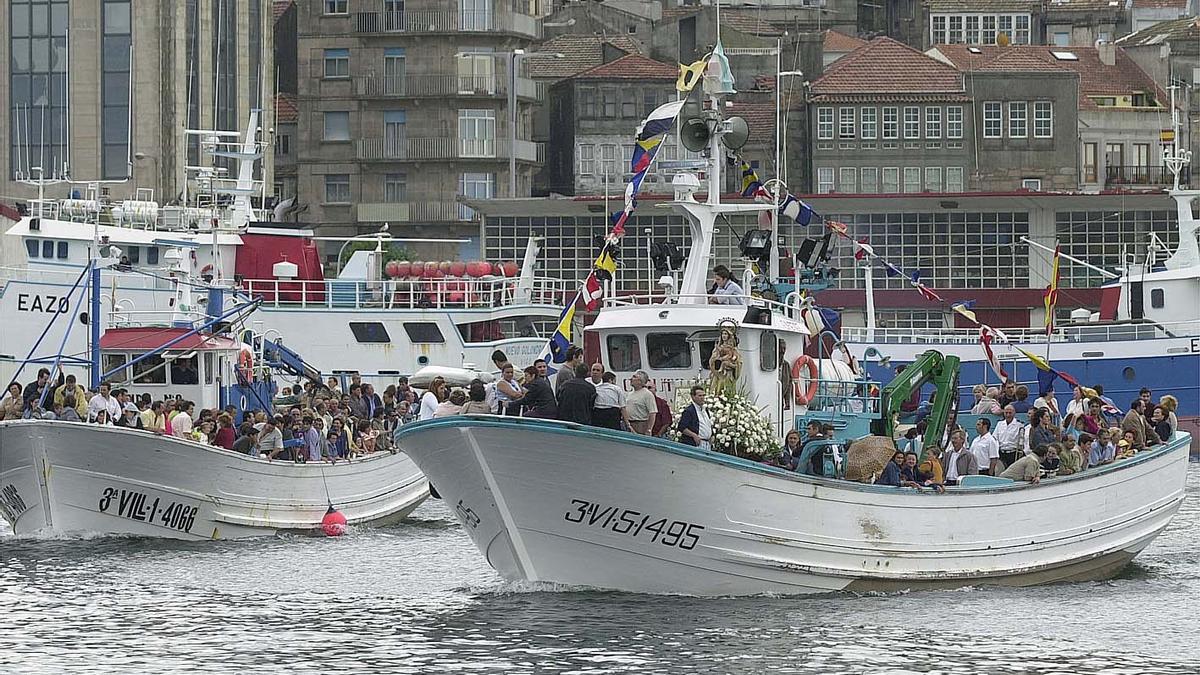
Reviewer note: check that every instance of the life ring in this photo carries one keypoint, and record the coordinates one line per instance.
(803, 397)
(246, 362)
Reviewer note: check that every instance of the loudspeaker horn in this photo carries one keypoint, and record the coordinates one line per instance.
(737, 131)
(694, 134)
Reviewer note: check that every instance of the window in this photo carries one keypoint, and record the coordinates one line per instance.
(768, 351)
(954, 121)
(587, 159)
(629, 104)
(1105, 238)
(47, 249)
(1061, 39)
(1141, 159)
(337, 126)
(185, 371)
(891, 180)
(668, 351)
(989, 30)
(954, 179)
(609, 164)
(151, 370)
(609, 97)
(933, 122)
(1034, 184)
(336, 6)
(912, 179)
(115, 82)
(337, 188)
(337, 63)
(1090, 174)
(972, 32)
(477, 133)
(475, 186)
(992, 119)
(1004, 24)
(114, 362)
(869, 126)
(587, 98)
(283, 145)
(476, 70)
(846, 122)
(395, 187)
(870, 180)
(151, 255)
(1043, 119)
(1018, 120)
(955, 34)
(1022, 34)
(1157, 300)
(933, 179)
(847, 180)
(912, 122)
(937, 30)
(62, 245)
(891, 122)
(135, 254)
(624, 353)
(423, 332)
(374, 331)
(824, 124)
(395, 133)
(394, 69)
(31, 245)
(649, 101)
(824, 180)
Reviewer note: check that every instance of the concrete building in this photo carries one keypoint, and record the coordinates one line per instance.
(1120, 111)
(283, 147)
(405, 106)
(1147, 13)
(1025, 22)
(102, 90)
(1169, 52)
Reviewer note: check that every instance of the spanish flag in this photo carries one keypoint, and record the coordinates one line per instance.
(1050, 296)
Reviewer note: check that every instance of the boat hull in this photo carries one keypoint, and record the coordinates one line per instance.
(70, 478)
(547, 501)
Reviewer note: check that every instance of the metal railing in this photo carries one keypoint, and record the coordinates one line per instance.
(395, 20)
(413, 86)
(633, 300)
(1065, 333)
(403, 148)
(1144, 175)
(447, 293)
(67, 276)
(404, 212)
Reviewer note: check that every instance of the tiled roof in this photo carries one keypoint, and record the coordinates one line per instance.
(673, 13)
(885, 66)
(632, 67)
(968, 6)
(1053, 6)
(840, 42)
(1160, 4)
(1187, 28)
(286, 111)
(278, 7)
(1095, 77)
(749, 22)
(579, 53)
(760, 117)
(891, 98)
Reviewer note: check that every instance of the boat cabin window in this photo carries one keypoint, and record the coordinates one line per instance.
(1157, 301)
(63, 249)
(113, 361)
(423, 333)
(151, 255)
(150, 370)
(135, 254)
(209, 363)
(668, 351)
(370, 331)
(32, 246)
(624, 354)
(768, 351)
(183, 371)
(47, 249)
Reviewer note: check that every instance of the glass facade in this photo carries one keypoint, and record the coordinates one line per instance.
(1102, 237)
(115, 66)
(37, 81)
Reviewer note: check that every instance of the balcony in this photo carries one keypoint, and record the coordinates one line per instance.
(445, 149)
(408, 212)
(390, 21)
(1144, 175)
(441, 86)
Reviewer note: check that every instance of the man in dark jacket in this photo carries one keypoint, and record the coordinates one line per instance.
(539, 395)
(577, 397)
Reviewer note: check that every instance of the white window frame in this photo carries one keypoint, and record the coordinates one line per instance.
(912, 122)
(335, 7)
(889, 180)
(868, 123)
(338, 198)
(825, 123)
(869, 183)
(847, 180)
(1043, 119)
(846, 122)
(1018, 119)
(824, 180)
(933, 179)
(933, 121)
(1004, 24)
(587, 159)
(993, 118)
(954, 179)
(912, 179)
(971, 24)
(1021, 23)
(610, 163)
(336, 63)
(325, 119)
(954, 31)
(988, 29)
(891, 123)
(475, 185)
(937, 29)
(477, 132)
(954, 121)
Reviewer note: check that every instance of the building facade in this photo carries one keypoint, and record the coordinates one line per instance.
(1025, 22)
(405, 106)
(102, 91)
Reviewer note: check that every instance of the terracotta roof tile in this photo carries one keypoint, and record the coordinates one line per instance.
(885, 66)
(580, 53)
(278, 7)
(1187, 28)
(960, 6)
(1055, 6)
(1161, 4)
(760, 117)
(632, 67)
(891, 98)
(673, 13)
(751, 23)
(286, 111)
(840, 42)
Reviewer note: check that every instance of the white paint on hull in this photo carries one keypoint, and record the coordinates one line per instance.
(63, 477)
(524, 491)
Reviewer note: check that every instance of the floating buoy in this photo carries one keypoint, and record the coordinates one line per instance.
(334, 523)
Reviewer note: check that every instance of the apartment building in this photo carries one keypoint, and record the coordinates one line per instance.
(404, 106)
(101, 91)
(1025, 22)
(1169, 52)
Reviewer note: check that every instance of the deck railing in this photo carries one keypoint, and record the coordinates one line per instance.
(410, 294)
(659, 298)
(1066, 333)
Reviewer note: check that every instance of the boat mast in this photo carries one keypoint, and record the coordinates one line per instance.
(1175, 158)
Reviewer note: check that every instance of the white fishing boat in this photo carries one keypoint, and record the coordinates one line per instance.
(559, 502)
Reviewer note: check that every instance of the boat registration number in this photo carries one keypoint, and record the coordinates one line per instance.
(634, 524)
(138, 506)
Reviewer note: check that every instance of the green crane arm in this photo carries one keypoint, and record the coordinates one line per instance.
(933, 367)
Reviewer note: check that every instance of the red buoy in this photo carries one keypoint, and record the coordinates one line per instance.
(392, 269)
(403, 268)
(457, 268)
(334, 523)
(511, 269)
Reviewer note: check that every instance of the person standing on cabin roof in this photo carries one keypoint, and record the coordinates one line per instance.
(640, 406)
(985, 448)
(725, 290)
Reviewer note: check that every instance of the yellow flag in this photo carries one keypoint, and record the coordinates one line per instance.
(690, 75)
(1038, 361)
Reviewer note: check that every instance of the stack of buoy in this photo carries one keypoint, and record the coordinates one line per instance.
(475, 269)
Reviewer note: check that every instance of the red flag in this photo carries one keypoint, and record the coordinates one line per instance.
(860, 251)
(929, 294)
(592, 292)
(985, 339)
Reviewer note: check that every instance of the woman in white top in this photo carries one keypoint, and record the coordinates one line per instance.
(507, 389)
(431, 398)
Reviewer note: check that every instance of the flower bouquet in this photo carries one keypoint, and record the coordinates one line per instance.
(739, 427)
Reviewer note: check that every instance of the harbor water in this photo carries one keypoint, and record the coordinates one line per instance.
(418, 598)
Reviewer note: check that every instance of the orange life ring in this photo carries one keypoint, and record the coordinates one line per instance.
(246, 363)
(803, 397)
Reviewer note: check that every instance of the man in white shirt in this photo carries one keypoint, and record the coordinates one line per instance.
(104, 401)
(985, 448)
(609, 408)
(181, 423)
(1010, 436)
(270, 439)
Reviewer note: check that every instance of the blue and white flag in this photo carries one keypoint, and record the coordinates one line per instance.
(796, 210)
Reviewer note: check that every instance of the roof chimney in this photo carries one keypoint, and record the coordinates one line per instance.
(1107, 52)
